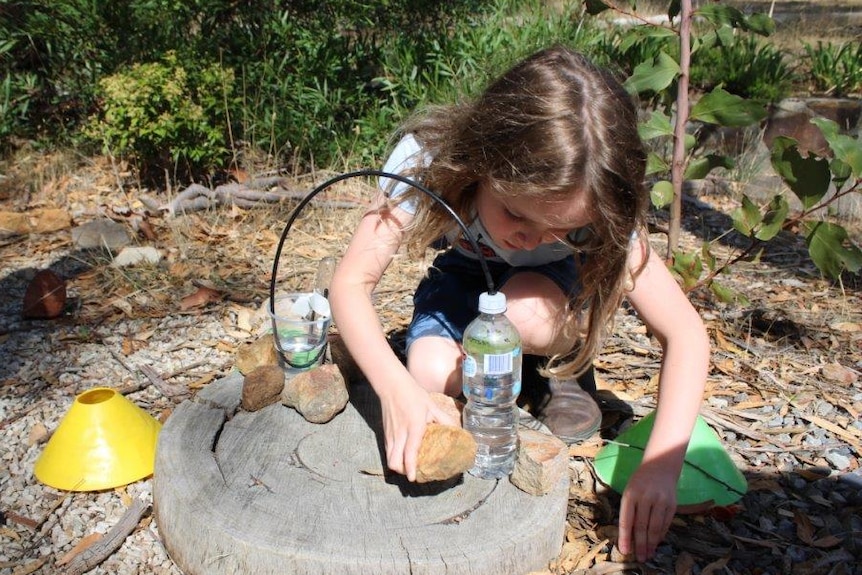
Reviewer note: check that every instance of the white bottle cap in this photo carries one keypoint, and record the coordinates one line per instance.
(492, 302)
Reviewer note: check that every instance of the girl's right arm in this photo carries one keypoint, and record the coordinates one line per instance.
(406, 407)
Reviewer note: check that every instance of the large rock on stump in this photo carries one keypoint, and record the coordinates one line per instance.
(445, 452)
(319, 394)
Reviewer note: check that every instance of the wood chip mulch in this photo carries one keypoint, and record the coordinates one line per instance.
(784, 393)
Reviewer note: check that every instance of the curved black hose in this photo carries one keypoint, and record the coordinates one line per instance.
(379, 173)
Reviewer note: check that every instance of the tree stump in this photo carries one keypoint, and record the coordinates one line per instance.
(267, 492)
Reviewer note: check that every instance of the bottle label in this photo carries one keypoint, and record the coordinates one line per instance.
(497, 364)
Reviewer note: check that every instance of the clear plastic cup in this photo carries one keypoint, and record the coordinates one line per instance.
(300, 326)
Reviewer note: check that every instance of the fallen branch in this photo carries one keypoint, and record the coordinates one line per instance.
(112, 540)
(258, 192)
(169, 390)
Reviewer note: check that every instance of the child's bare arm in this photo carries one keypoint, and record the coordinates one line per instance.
(649, 501)
(406, 407)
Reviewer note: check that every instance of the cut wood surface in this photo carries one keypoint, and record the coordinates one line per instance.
(267, 492)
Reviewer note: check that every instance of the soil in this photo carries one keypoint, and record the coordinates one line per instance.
(784, 392)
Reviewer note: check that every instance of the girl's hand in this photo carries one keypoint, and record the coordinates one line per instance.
(406, 412)
(647, 509)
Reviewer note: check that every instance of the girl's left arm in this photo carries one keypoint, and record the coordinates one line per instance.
(649, 501)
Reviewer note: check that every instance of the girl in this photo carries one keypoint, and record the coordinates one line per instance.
(547, 168)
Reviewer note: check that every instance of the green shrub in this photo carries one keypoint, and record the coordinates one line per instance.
(166, 117)
(337, 86)
(50, 54)
(835, 70)
(16, 98)
(459, 60)
(744, 66)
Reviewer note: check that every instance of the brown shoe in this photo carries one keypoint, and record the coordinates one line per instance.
(571, 413)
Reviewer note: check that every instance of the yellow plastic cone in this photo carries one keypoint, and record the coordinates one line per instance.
(104, 441)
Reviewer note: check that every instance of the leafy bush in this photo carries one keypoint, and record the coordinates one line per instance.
(166, 117)
(50, 55)
(743, 66)
(835, 69)
(320, 96)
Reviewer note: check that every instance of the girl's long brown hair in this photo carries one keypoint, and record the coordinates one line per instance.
(553, 126)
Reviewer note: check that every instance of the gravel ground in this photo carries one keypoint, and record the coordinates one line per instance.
(784, 393)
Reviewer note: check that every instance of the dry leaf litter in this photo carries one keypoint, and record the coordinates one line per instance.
(784, 393)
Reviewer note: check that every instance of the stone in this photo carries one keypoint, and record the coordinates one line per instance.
(542, 459)
(101, 233)
(445, 452)
(318, 394)
(262, 387)
(791, 117)
(448, 404)
(45, 296)
(133, 255)
(38, 434)
(257, 353)
(36, 221)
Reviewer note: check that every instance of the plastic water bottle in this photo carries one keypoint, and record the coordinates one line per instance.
(491, 384)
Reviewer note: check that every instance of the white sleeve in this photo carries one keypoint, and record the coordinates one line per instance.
(406, 156)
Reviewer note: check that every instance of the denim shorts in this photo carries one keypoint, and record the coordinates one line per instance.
(448, 298)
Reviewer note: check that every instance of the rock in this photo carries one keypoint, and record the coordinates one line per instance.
(40, 220)
(318, 394)
(38, 434)
(839, 461)
(257, 353)
(542, 460)
(445, 452)
(839, 374)
(262, 387)
(130, 256)
(791, 117)
(448, 404)
(101, 233)
(45, 296)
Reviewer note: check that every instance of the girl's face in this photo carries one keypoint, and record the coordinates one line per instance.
(524, 223)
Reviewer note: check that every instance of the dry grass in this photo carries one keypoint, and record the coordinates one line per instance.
(226, 248)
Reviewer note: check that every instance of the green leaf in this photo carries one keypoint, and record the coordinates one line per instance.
(706, 255)
(688, 266)
(657, 32)
(699, 168)
(841, 172)
(746, 217)
(655, 76)
(657, 38)
(726, 109)
(831, 249)
(774, 218)
(689, 141)
(845, 148)
(661, 193)
(718, 14)
(723, 293)
(656, 126)
(656, 164)
(760, 24)
(808, 177)
(725, 36)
